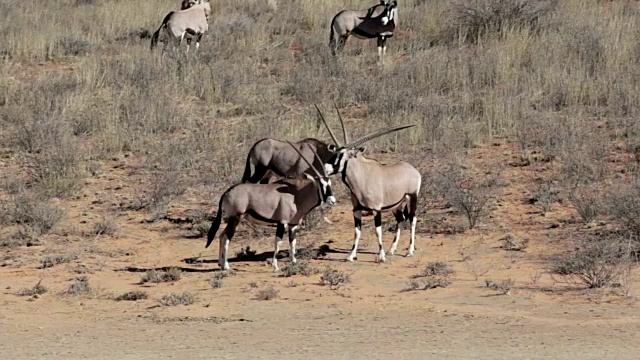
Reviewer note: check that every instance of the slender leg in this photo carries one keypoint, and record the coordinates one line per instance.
(292, 243)
(225, 238)
(380, 45)
(357, 219)
(378, 221)
(279, 235)
(399, 220)
(323, 211)
(413, 204)
(198, 38)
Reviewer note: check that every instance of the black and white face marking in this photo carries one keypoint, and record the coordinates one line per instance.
(389, 12)
(338, 161)
(332, 148)
(327, 193)
(335, 163)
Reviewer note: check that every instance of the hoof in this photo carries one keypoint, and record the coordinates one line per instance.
(409, 254)
(350, 259)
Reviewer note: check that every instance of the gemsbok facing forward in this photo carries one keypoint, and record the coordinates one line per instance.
(377, 22)
(284, 202)
(189, 23)
(378, 188)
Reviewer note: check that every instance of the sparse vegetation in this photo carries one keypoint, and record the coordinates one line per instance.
(334, 278)
(267, 294)
(436, 268)
(596, 262)
(469, 194)
(174, 299)
(300, 267)
(132, 296)
(160, 276)
(435, 274)
(53, 260)
(513, 243)
(79, 287)
(105, 226)
(38, 289)
(501, 286)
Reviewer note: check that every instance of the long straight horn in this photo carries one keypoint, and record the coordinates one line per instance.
(324, 172)
(305, 160)
(344, 131)
(376, 134)
(333, 136)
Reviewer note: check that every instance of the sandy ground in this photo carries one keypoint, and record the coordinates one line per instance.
(369, 318)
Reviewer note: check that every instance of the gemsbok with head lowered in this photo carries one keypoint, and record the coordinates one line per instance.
(379, 22)
(282, 160)
(284, 203)
(377, 188)
(190, 23)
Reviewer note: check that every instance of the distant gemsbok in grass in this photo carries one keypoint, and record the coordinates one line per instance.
(190, 23)
(377, 22)
(378, 188)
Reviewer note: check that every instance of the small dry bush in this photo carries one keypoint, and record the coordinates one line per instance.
(267, 294)
(215, 283)
(545, 196)
(597, 261)
(334, 278)
(34, 214)
(132, 296)
(160, 276)
(623, 204)
(37, 289)
(300, 267)
(57, 259)
(436, 268)
(587, 200)
(513, 243)
(79, 287)
(174, 299)
(216, 280)
(105, 226)
(502, 286)
(468, 193)
(312, 252)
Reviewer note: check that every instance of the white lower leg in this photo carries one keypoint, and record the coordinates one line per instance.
(226, 254)
(412, 243)
(292, 244)
(379, 52)
(352, 255)
(394, 245)
(381, 256)
(274, 262)
(197, 45)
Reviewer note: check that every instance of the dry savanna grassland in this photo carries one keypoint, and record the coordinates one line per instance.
(113, 158)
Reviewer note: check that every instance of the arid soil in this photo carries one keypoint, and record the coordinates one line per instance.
(541, 317)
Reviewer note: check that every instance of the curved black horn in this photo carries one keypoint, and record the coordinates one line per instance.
(305, 160)
(333, 136)
(344, 131)
(376, 134)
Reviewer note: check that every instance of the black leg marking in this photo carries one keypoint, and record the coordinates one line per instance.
(357, 221)
(230, 229)
(378, 223)
(292, 234)
(280, 231)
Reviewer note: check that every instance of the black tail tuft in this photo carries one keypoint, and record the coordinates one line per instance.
(215, 225)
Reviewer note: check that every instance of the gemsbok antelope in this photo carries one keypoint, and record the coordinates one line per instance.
(284, 202)
(283, 160)
(377, 188)
(189, 23)
(379, 22)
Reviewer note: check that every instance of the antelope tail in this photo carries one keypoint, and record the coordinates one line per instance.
(247, 169)
(215, 225)
(156, 35)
